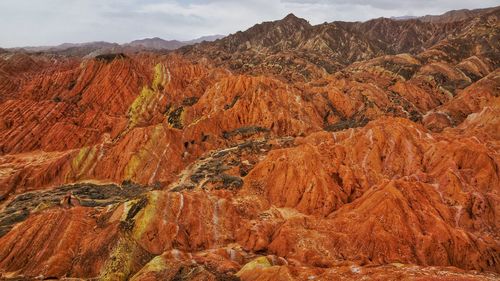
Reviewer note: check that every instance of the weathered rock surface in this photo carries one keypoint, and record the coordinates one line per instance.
(285, 152)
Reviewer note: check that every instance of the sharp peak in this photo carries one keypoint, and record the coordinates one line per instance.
(293, 19)
(291, 16)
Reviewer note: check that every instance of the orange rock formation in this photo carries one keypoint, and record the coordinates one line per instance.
(272, 154)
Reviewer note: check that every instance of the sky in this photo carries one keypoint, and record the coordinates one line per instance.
(52, 22)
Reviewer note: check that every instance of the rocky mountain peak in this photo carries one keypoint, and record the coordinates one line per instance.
(292, 19)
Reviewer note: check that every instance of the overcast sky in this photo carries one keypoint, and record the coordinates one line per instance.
(52, 22)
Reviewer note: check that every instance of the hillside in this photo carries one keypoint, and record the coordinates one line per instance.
(288, 151)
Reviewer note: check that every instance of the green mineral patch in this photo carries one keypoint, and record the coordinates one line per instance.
(145, 153)
(134, 163)
(120, 261)
(160, 77)
(148, 96)
(140, 105)
(125, 259)
(260, 262)
(145, 216)
(83, 161)
(127, 221)
(126, 208)
(157, 264)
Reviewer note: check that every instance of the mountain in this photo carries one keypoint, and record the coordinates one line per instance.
(208, 38)
(68, 47)
(160, 44)
(96, 48)
(450, 16)
(457, 15)
(293, 45)
(404, 18)
(289, 151)
(156, 44)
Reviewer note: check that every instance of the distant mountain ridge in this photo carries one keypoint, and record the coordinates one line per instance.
(457, 15)
(65, 46)
(89, 48)
(157, 43)
(450, 16)
(404, 18)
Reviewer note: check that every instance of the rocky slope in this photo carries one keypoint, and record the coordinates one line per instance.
(296, 50)
(285, 152)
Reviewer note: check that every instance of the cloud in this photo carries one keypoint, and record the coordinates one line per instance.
(50, 22)
(416, 5)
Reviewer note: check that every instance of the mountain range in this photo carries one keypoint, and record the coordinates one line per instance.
(146, 44)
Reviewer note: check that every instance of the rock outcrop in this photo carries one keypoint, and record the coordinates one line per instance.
(285, 152)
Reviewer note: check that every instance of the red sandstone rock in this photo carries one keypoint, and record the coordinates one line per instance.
(284, 170)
